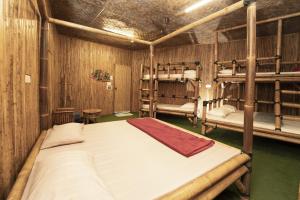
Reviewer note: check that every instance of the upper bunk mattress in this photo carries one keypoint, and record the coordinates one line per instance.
(133, 165)
(261, 120)
(189, 75)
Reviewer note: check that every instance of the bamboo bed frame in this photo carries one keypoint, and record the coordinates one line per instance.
(276, 78)
(170, 67)
(208, 186)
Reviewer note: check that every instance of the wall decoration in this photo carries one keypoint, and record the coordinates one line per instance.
(100, 75)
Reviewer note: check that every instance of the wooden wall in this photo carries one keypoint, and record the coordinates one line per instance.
(19, 46)
(74, 59)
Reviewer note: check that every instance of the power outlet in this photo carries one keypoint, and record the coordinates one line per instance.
(27, 79)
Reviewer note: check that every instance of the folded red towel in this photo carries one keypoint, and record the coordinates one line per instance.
(180, 141)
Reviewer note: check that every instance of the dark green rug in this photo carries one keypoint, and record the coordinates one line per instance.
(276, 165)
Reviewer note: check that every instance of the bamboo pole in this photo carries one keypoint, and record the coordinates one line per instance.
(156, 90)
(290, 105)
(277, 98)
(151, 80)
(141, 90)
(290, 92)
(203, 120)
(250, 90)
(216, 56)
(206, 19)
(262, 22)
(94, 30)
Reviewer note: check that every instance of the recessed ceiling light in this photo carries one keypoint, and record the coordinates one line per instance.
(121, 32)
(196, 5)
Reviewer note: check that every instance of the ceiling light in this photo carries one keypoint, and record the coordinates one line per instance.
(196, 5)
(121, 32)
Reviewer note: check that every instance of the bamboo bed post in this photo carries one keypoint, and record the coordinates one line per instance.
(151, 81)
(234, 63)
(156, 89)
(250, 87)
(141, 91)
(277, 98)
(204, 109)
(215, 67)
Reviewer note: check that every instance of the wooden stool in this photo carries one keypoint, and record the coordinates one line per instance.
(90, 115)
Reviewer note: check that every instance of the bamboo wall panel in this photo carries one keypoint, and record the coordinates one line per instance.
(202, 53)
(76, 60)
(19, 47)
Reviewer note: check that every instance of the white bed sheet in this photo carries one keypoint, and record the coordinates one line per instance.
(258, 74)
(261, 120)
(176, 107)
(133, 165)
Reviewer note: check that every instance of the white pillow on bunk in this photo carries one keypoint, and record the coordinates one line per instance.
(225, 71)
(229, 107)
(66, 175)
(63, 134)
(219, 112)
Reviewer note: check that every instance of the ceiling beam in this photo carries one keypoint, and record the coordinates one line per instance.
(261, 22)
(203, 20)
(95, 30)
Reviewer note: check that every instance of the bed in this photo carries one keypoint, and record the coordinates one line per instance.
(134, 169)
(264, 125)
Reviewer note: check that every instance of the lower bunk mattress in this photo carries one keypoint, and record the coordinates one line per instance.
(133, 165)
(188, 107)
(261, 120)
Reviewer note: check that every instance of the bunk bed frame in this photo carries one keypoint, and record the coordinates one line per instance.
(238, 170)
(179, 69)
(277, 77)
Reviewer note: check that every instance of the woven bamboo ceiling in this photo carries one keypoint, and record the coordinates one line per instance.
(151, 19)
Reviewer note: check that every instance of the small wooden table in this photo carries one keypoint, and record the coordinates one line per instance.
(90, 115)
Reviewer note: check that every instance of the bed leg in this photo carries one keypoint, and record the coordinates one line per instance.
(195, 121)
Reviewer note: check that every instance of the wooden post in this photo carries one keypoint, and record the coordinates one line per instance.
(156, 90)
(204, 109)
(45, 117)
(238, 96)
(151, 81)
(141, 91)
(215, 83)
(277, 98)
(250, 87)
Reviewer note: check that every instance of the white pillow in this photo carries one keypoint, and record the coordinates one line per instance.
(219, 112)
(63, 134)
(67, 175)
(229, 107)
(225, 71)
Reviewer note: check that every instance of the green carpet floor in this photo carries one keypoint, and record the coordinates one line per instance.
(276, 165)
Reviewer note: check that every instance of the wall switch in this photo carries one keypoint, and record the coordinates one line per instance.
(27, 78)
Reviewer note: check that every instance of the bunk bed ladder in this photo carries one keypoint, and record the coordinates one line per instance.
(142, 98)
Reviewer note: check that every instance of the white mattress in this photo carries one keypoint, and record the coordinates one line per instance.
(172, 76)
(176, 107)
(133, 165)
(258, 74)
(261, 120)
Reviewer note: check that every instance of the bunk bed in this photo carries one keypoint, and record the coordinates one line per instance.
(270, 125)
(185, 73)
